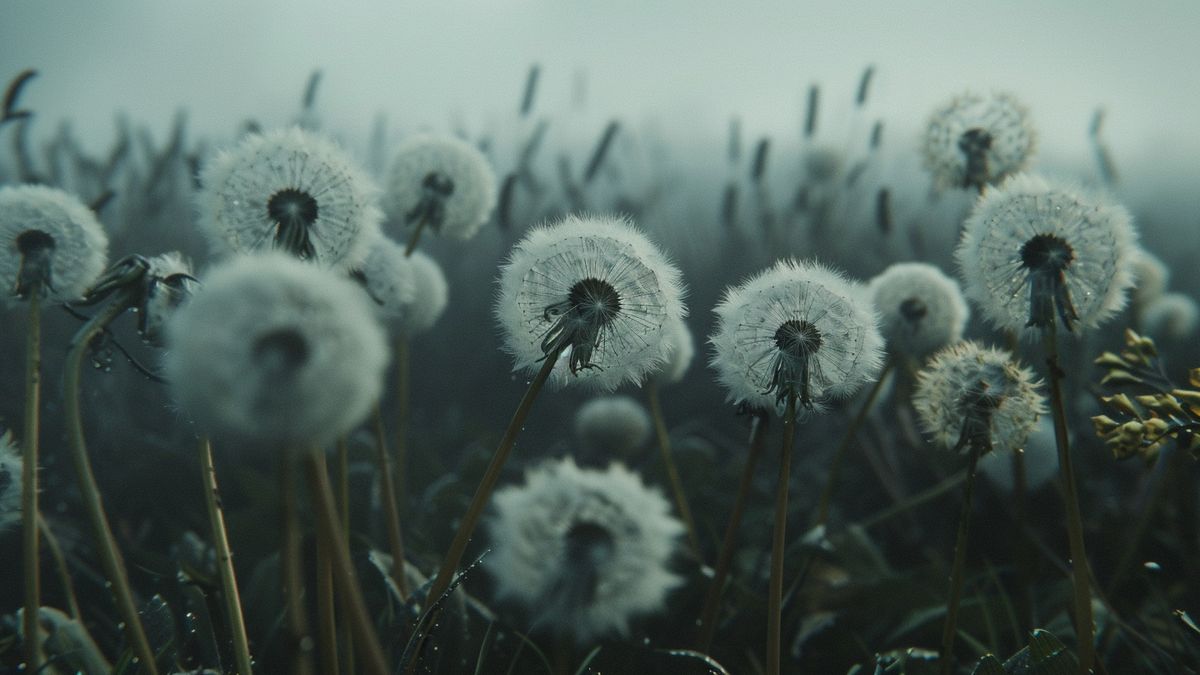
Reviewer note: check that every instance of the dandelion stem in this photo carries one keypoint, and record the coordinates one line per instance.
(229, 589)
(327, 641)
(330, 531)
(778, 540)
(106, 545)
(416, 234)
(300, 647)
(712, 602)
(60, 563)
(956, 572)
(29, 480)
(401, 352)
(390, 513)
(664, 446)
(343, 484)
(1079, 565)
(487, 484)
(835, 465)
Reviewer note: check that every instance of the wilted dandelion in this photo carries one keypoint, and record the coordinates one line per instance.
(977, 140)
(921, 309)
(10, 482)
(585, 551)
(797, 329)
(1034, 253)
(48, 238)
(1173, 316)
(277, 352)
(612, 425)
(291, 190)
(595, 291)
(152, 287)
(442, 183)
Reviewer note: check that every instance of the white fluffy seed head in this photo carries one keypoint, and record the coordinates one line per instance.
(391, 282)
(681, 350)
(74, 243)
(169, 284)
(999, 122)
(1096, 233)
(10, 482)
(920, 309)
(289, 189)
(431, 293)
(598, 285)
(1173, 316)
(276, 352)
(445, 169)
(584, 551)
(747, 353)
(1041, 460)
(1150, 278)
(948, 387)
(612, 425)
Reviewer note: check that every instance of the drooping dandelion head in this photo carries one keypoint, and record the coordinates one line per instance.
(389, 278)
(594, 292)
(969, 394)
(1035, 253)
(290, 190)
(276, 352)
(50, 240)
(797, 329)
(583, 551)
(10, 482)
(920, 309)
(169, 283)
(443, 181)
(976, 140)
(608, 426)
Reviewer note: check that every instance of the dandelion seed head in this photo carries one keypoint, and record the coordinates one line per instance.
(798, 328)
(430, 295)
(169, 284)
(48, 236)
(612, 425)
(1173, 316)
(920, 309)
(444, 180)
(977, 139)
(1034, 252)
(10, 482)
(596, 289)
(971, 389)
(292, 190)
(390, 281)
(1150, 277)
(275, 351)
(584, 551)
(681, 349)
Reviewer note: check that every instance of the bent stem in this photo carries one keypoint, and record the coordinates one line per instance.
(390, 512)
(487, 484)
(329, 530)
(775, 590)
(956, 572)
(60, 564)
(229, 589)
(416, 235)
(712, 602)
(29, 481)
(835, 465)
(664, 446)
(106, 545)
(1079, 565)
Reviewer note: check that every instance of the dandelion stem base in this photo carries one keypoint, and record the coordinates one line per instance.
(778, 542)
(956, 571)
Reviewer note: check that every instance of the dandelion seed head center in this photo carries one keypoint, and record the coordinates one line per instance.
(438, 183)
(586, 539)
(1046, 253)
(282, 349)
(595, 299)
(975, 140)
(913, 309)
(34, 241)
(797, 337)
(290, 206)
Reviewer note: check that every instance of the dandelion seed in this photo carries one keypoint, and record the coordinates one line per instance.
(48, 239)
(969, 393)
(595, 290)
(1033, 253)
(584, 551)
(442, 183)
(612, 425)
(795, 329)
(976, 140)
(921, 309)
(275, 351)
(291, 190)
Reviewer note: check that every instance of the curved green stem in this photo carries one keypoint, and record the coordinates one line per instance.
(60, 564)
(229, 589)
(956, 572)
(106, 545)
(778, 542)
(29, 482)
(664, 446)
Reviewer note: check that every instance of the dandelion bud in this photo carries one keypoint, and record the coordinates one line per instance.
(48, 239)
(275, 351)
(10, 482)
(583, 551)
(1110, 360)
(1103, 424)
(169, 283)
(442, 181)
(290, 190)
(1121, 403)
(1034, 253)
(921, 309)
(976, 140)
(612, 425)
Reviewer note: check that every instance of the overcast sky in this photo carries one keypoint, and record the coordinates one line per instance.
(690, 64)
